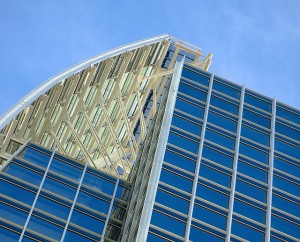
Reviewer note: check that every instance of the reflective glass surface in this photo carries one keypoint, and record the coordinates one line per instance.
(212, 195)
(197, 233)
(59, 188)
(250, 211)
(172, 201)
(189, 74)
(17, 193)
(182, 142)
(52, 207)
(45, 227)
(12, 214)
(246, 232)
(24, 174)
(180, 160)
(86, 221)
(190, 108)
(210, 217)
(168, 223)
(175, 180)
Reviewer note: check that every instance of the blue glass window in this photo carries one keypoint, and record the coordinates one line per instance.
(287, 167)
(251, 191)
(12, 214)
(52, 207)
(285, 205)
(252, 171)
(195, 76)
(200, 235)
(287, 149)
(59, 188)
(246, 232)
(209, 217)
(287, 131)
(286, 185)
(221, 87)
(180, 161)
(73, 237)
(193, 92)
(258, 103)
(44, 227)
(224, 105)
(221, 121)
(256, 118)
(183, 143)
(8, 235)
(217, 157)
(189, 108)
(98, 183)
(92, 202)
(219, 139)
(155, 238)
(272, 239)
(87, 222)
(172, 201)
(65, 169)
(16, 192)
(176, 180)
(283, 113)
(255, 135)
(36, 157)
(285, 226)
(186, 125)
(168, 223)
(254, 153)
(24, 174)
(249, 211)
(214, 175)
(212, 195)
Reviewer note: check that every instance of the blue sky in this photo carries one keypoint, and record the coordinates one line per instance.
(254, 42)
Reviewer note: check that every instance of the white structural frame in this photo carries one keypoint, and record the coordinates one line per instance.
(235, 164)
(107, 95)
(47, 85)
(270, 173)
(159, 154)
(198, 162)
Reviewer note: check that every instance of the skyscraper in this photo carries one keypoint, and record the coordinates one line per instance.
(204, 159)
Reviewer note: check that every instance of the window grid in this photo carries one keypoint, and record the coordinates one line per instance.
(235, 164)
(37, 195)
(197, 169)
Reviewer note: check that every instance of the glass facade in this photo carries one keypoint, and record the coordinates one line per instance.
(48, 197)
(231, 166)
(206, 160)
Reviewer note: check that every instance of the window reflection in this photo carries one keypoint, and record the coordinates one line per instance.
(212, 195)
(251, 190)
(189, 74)
(172, 201)
(224, 89)
(176, 180)
(186, 88)
(246, 232)
(249, 211)
(168, 223)
(210, 217)
(180, 160)
(190, 108)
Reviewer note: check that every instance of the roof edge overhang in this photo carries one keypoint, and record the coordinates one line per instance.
(47, 85)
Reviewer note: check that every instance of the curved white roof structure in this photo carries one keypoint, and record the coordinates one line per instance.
(99, 111)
